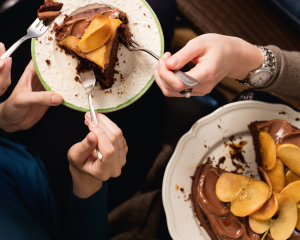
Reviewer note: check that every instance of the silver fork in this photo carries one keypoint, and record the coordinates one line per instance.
(88, 81)
(36, 30)
(186, 79)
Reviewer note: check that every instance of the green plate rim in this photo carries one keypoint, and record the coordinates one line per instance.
(123, 105)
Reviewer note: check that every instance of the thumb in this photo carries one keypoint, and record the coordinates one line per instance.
(5, 80)
(81, 151)
(189, 52)
(26, 99)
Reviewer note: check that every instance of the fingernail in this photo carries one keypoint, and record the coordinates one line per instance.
(164, 55)
(1, 62)
(1, 44)
(56, 99)
(93, 125)
(172, 63)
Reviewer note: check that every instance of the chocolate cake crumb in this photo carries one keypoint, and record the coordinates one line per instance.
(181, 189)
(232, 138)
(140, 7)
(219, 126)
(40, 42)
(205, 146)
(297, 119)
(134, 24)
(77, 79)
(48, 61)
(283, 113)
(148, 26)
(221, 161)
(144, 14)
(50, 38)
(76, 95)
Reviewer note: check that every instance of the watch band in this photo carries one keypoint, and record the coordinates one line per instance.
(268, 66)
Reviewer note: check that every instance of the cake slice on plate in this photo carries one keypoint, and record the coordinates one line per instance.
(93, 36)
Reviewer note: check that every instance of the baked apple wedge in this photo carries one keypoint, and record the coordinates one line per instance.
(293, 190)
(291, 177)
(277, 176)
(268, 150)
(267, 211)
(283, 226)
(246, 195)
(290, 156)
(259, 226)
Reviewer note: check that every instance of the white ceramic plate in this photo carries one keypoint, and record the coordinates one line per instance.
(136, 68)
(211, 131)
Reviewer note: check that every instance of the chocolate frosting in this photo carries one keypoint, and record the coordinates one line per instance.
(281, 131)
(225, 225)
(77, 24)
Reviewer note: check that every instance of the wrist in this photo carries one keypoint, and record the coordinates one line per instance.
(249, 58)
(84, 185)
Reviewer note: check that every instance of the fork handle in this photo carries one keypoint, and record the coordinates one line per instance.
(93, 118)
(186, 79)
(14, 47)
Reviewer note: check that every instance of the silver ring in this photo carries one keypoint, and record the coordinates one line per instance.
(187, 92)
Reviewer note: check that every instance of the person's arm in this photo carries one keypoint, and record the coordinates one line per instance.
(286, 80)
(87, 214)
(216, 56)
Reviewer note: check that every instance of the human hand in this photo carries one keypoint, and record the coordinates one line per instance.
(27, 104)
(5, 68)
(216, 56)
(88, 172)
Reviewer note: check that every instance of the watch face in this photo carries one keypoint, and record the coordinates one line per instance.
(260, 78)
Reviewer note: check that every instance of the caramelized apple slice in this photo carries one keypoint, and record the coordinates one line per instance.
(97, 56)
(282, 227)
(267, 211)
(277, 176)
(259, 226)
(293, 190)
(114, 24)
(268, 150)
(290, 156)
(246, 195)
(251, 199)
(96, 35)
(268, 181)
(230, 185)
(290, 177)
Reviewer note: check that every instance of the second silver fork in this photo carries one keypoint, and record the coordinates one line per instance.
(186, 79)
(88, 81)
(37, 29)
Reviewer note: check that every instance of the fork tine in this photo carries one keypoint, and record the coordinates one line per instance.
(35, 23)
(134, 42)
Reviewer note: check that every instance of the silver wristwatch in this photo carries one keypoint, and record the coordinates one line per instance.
(260, 76)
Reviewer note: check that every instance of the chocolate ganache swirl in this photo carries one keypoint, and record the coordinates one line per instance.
(281, 131)
(223, 223)
(77, 24)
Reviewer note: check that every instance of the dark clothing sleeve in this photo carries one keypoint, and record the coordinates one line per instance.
(87, 218)
(286, 80)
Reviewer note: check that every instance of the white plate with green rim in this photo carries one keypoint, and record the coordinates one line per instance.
(206, 139)
(136, 68)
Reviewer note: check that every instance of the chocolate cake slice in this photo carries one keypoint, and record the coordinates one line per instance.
(76, 26)
(49, 11)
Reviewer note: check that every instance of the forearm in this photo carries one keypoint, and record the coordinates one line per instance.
(286, 80)
(87, 218)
